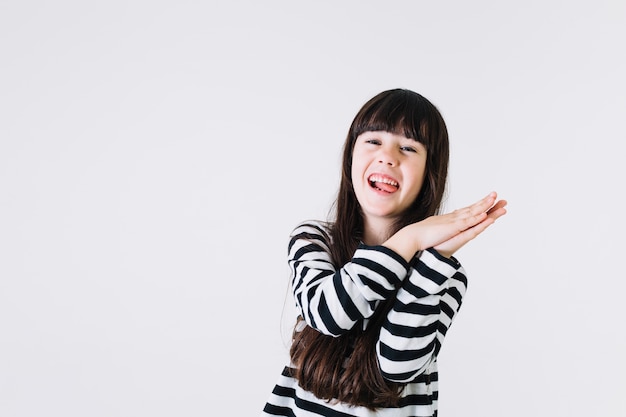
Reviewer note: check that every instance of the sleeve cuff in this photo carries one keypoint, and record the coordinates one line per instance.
(452, 261)
(383, 261)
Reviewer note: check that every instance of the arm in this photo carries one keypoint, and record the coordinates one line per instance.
(332, 300)
(426, 304)
(429, 299)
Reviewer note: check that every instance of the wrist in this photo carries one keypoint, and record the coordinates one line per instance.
(403, 243)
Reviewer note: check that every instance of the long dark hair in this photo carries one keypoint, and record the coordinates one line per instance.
(346, 367)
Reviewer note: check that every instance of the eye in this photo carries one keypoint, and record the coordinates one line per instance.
(408, 149)
(373, 141)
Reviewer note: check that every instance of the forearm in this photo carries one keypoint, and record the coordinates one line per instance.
(408, 340)
(415, 327)
(331, 300)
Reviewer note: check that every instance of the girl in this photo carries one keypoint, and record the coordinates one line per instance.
(377, 288)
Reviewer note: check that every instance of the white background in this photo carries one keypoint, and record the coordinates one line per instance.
(155, 155)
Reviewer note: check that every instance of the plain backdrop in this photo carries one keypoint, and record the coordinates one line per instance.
(155, 155)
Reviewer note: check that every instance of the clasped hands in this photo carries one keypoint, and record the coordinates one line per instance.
(447, 233)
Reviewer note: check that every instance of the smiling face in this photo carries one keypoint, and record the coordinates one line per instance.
(387, 174)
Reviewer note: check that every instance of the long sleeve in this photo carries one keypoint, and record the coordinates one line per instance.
(332, 300)
(425, 307)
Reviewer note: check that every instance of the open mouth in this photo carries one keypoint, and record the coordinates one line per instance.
(383, 183)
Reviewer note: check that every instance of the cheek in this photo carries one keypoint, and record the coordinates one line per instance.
(356, 179)
(419, 176)
(356, 171)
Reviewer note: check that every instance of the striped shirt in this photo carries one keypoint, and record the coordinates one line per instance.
(427, 295)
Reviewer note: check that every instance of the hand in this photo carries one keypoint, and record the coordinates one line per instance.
(472, 213)
(447, 233)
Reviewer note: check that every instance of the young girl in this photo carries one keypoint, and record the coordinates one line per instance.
(377, 288)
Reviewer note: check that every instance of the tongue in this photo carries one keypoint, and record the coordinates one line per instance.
(385, 187)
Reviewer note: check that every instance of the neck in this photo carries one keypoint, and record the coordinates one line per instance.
(376, 230)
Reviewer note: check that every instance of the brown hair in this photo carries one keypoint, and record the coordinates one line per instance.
(346, 367)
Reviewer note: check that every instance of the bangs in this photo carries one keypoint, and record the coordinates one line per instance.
(400, 113)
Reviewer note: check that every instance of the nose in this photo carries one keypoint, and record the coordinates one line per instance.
(387, 157)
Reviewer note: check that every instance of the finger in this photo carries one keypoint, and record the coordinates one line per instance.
(458, 241)
(500, 204)
(484, 204)
(481, 206)
(471, 233)
(474, 214)
(497, 211)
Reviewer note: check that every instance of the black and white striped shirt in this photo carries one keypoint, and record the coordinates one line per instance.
(428, 293)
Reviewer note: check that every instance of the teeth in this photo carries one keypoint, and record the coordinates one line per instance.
(376, 178)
